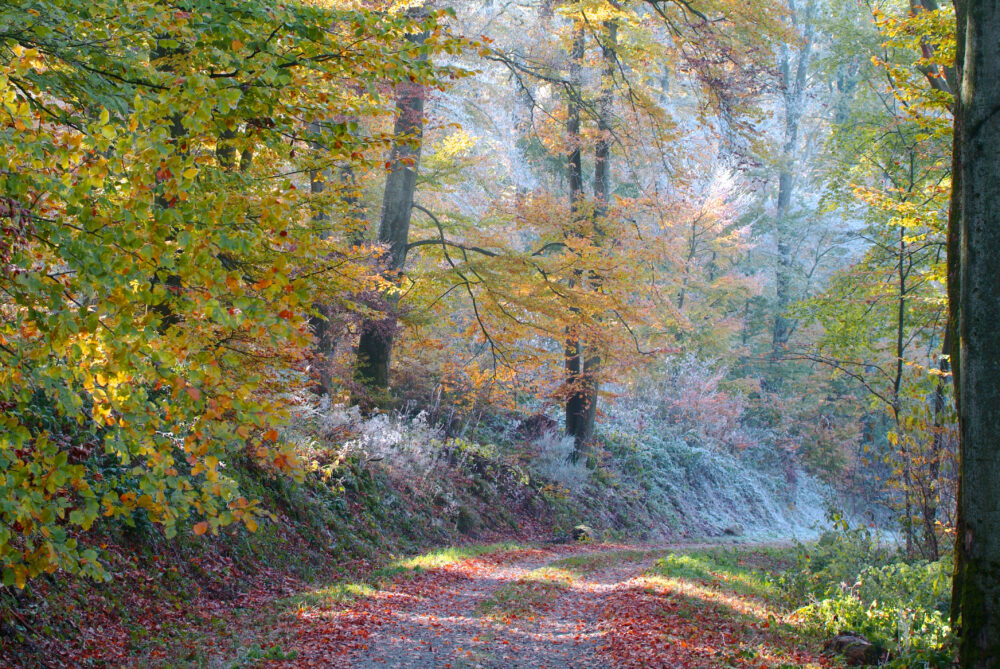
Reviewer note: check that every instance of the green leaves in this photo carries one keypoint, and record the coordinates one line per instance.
(157, 286)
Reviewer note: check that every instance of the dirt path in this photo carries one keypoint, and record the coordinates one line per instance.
(554, 608)
(445, 629)
(569, 631)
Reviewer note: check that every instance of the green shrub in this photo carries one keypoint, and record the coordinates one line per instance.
(853, 581)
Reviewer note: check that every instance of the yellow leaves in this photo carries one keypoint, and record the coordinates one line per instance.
(138, 205)
(146, 502)
(20, 576)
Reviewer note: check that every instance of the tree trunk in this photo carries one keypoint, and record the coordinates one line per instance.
(932, 549)
(576, 402)
(897, 384)
(976, 595)
(375, 344)
(794, 76)
(171, 282)
(602, 194)
(324, 341)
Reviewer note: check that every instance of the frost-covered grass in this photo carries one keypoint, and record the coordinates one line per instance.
(553, 460)
(694, 484)
(684, 442)
(672, 459)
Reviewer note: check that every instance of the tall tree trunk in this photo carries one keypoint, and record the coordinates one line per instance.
(375, 343)
(897, 385)
(602, 196)
(976, 596)
(954, 253)
(932, 549)
(576, 402)
(324, 342)
(794, 72)
(171, 281)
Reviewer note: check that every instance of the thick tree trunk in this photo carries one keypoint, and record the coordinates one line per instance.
(602, 195)
(375, 344)
(954, 252)
(576, 402)
(976, 596)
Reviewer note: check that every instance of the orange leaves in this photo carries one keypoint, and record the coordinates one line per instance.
(201, 528)
(179, 299)
(282, 462)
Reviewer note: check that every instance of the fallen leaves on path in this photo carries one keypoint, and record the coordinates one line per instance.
(595, 607)
(648, 622)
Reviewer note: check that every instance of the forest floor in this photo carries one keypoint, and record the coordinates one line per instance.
(580, 605)
(533, 605)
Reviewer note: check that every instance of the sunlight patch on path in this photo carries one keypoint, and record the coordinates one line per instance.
(562, 607)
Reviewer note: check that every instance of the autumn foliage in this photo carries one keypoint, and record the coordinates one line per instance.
(159, 254)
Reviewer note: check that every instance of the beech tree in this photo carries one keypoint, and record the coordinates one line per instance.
(375, 342)
(151, 291)
(974, 260)
(794, 71)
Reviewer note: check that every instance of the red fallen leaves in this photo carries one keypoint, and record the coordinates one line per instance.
(330, 638)
(635, 623)
(647, 627)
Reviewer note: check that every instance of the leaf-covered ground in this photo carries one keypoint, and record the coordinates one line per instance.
(563, 606)
(501, 605)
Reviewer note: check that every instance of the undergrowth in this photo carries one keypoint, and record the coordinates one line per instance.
(373, 489)
(852, 580)
(849, 581)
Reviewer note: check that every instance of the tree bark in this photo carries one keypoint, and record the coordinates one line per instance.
(324, 340)
(932, 549)
(576, 402)
(976, 219)
(375, 343)
(897, 385)
(794, 75)
(171, 281)
(602, 196)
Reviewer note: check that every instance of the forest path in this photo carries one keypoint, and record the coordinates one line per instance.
(572, 606)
